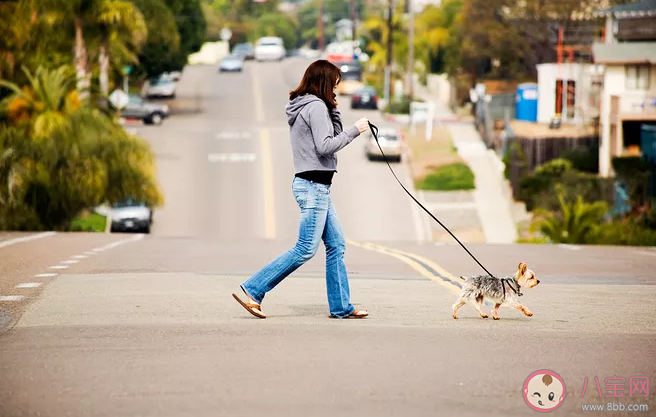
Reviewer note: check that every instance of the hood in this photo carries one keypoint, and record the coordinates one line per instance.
(130, 212)
(295, 106)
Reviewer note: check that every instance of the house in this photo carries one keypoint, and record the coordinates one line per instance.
(571, 90)
(628, 100)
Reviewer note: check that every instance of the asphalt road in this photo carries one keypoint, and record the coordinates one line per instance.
(132, 325)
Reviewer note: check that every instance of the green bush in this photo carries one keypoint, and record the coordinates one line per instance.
(575, 221)
(451, 177)
(585, 159)
(538, 190)
(630, 231)
(93, 222)
(400, 107)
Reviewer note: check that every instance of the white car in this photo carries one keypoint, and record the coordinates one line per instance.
(161, 87)
(270, 48)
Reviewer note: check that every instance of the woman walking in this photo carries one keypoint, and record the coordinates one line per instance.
(316, 134)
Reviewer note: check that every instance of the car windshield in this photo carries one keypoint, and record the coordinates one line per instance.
(162, 81)
(269, 44)
(242, 47)
(128, 203)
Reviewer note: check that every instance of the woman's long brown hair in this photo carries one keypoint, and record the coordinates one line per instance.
(320, 79)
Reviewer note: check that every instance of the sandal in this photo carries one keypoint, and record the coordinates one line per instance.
(250, 306)
(357, 314)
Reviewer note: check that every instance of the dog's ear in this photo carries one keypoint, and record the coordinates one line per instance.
(522, 268)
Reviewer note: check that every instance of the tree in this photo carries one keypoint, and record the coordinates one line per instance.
(575, 222)
(163, 41)
(192, 28)
(276, 24)
(121, 21)
(58, 155)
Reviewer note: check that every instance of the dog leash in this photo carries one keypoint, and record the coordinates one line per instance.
(374, 131)
(509, 280)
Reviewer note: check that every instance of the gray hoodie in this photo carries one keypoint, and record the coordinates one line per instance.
(315, 134)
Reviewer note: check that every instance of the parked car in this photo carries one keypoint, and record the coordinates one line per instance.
(269, 48)
(161, 87)
(175, 75)
(351, 77)
(150, 113)
(390, 140)
(131, 216)
(231, 63)
(365, 98)
(244, 50)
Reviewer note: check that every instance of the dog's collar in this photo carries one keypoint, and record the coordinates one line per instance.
(509, 280)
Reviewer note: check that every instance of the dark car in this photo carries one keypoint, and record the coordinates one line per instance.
(150, 113)
(245, 50)
(364, 98)
(131, 216)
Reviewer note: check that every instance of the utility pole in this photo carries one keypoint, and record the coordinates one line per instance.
(354, 20)
(322, 40)
(388, 66)
(411, 50)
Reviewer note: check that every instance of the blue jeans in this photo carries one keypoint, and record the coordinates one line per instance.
(318, 222)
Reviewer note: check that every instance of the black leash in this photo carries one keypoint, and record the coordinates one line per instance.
(374, 130)
(509, 280)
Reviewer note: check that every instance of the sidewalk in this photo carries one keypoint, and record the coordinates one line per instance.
(494, 208)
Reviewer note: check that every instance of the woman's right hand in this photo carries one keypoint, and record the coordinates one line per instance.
(362, 124)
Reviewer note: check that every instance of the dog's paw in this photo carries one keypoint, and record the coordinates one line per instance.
(495, 318)
(455, 317)
(484, 316)
(529, 314)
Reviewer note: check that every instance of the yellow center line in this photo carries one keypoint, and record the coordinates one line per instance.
(405, 257)
(267, 178)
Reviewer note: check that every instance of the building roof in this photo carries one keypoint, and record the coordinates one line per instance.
(637, 9)
(624, 53)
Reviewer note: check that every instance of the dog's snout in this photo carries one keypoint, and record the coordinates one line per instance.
(538, 281)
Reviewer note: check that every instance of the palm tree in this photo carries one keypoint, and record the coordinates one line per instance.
(576, 222)
(122, 22)
(45, 103)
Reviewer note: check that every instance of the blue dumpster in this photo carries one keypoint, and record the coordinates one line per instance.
(648, 149)
(526, 102)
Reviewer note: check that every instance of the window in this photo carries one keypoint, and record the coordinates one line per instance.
(637, 77)
(568, 97)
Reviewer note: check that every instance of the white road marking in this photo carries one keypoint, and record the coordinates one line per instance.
(71, 261)
(80, 257)
(569, 247)
(644, 252)
(11, 297)
(45, 275)
(89, 253)
(231, 157)
(26, 239)
(29, 285)
(59, 267)
(233, 135)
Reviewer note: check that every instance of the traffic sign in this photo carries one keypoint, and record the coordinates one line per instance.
(119, 99)
(226, 34)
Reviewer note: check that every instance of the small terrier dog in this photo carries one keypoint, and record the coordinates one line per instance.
(500, 290)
